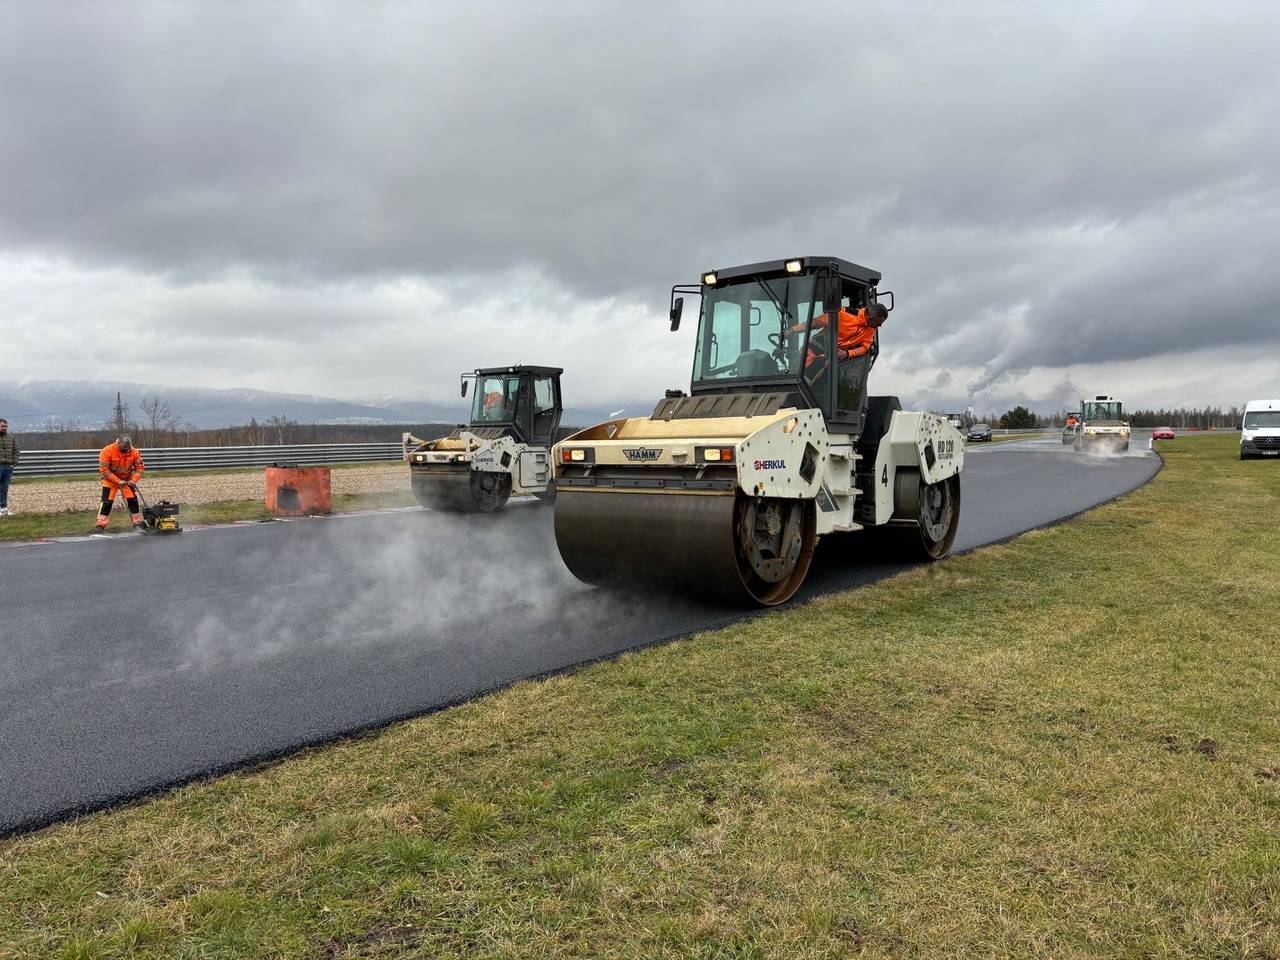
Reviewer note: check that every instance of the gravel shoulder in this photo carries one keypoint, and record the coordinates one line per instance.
(82, 493)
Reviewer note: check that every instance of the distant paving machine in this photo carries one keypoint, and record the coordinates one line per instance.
(503, 450)
(1102, 426)
(726, 491)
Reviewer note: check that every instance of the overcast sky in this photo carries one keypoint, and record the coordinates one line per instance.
(360, 199)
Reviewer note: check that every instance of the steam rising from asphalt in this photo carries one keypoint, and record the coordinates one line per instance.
(418, 580)
(1051, 444)
(419, 577)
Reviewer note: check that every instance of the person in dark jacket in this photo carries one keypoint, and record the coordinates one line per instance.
(9, 454)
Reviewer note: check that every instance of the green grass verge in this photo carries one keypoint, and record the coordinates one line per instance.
(32, 526)
(1067, 745)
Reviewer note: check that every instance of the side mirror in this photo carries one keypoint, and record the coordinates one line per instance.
(887, 294)
(464, 387)
(677, 308)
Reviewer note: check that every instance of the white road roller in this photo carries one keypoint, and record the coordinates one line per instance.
(726, 490)
(1102, 427)
(503, 450)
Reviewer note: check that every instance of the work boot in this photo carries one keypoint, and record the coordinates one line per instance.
(137, 520)
(100, 525)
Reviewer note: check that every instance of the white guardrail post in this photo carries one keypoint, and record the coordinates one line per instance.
(51, 463)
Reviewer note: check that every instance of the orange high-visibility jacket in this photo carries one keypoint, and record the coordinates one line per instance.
(118, 467)
(854, 336)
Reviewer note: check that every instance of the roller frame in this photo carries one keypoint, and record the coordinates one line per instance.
(768, 455)
(528, 466)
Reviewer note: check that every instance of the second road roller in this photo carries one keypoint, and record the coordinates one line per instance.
(725, 490)
(503, 450)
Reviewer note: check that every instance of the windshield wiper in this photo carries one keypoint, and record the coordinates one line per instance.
(784, 316)
(782, 307)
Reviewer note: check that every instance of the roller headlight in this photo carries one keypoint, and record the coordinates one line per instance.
(714, 454)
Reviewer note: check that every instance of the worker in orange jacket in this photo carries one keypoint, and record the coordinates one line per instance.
(121, 468)
(855, 333)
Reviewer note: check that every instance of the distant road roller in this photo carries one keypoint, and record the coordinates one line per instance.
(1102, 426)
(726, 490)
(505, 449)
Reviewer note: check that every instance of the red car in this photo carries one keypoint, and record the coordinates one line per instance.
(1162, 433)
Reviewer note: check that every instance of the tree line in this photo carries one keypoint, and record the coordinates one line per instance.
(1181, 418)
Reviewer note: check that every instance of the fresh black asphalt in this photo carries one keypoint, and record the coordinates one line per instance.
(132, 664)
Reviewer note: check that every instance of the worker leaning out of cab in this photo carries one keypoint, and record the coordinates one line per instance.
(855, 333)
(120, 465)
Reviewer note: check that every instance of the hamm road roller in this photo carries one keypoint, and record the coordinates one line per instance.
(727, 489)
(504, 449)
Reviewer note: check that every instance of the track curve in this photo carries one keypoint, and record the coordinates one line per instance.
(128, 666)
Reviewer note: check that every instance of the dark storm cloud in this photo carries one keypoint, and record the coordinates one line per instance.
(1040, 185)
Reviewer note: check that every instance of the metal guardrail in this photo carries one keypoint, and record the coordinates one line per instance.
(50, 463)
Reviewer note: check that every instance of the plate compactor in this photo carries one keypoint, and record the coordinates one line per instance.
(505, 449)
(725, 491)
(160, 518)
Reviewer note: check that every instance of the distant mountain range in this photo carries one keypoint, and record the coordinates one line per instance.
(42, 404)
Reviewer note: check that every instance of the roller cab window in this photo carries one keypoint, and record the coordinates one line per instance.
(1104, 411)
(753, 331)
(496, 399)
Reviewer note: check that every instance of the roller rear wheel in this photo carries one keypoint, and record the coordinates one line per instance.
(934, 509)
(489, 491)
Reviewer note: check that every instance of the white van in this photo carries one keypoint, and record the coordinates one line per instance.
(1260, 432)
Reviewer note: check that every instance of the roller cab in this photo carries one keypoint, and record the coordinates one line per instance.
(725, 491)
(503, 450)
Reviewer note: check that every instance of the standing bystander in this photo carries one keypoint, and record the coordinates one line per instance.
(9, 454)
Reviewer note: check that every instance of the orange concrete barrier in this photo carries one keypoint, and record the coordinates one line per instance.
(299, 491)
